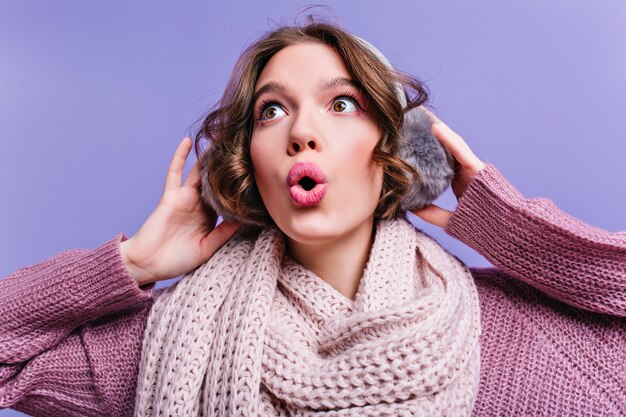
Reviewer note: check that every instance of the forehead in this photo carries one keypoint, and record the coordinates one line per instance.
(303, 64)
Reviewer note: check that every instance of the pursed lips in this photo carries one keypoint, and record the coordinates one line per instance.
(307, 184)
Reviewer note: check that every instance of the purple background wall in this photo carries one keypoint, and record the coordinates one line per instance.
(95, 97)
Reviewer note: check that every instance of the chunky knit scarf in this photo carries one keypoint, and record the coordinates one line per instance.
(253, 333)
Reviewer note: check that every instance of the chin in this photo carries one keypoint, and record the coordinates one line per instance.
(316, 228)
(309, 227)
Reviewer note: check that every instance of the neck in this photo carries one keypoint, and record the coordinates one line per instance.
(341, 261)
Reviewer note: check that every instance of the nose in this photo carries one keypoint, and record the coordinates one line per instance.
(304, 133)
(298, 145)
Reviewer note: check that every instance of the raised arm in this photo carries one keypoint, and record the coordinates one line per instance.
(532, 240)
(71, 327)
(70, 334)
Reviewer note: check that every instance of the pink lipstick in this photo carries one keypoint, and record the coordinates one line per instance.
(307, 183)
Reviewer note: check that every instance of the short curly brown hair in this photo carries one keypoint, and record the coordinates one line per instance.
(228, 126)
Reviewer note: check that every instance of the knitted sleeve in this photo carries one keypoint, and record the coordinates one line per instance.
(534, 241)
(70, 334)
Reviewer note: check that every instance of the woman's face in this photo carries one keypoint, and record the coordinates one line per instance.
(300, 118)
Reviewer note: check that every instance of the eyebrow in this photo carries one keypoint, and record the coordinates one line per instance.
(275, 86)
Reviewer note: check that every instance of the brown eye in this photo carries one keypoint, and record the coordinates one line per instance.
(342, 105)
(339, 106)
(270, 112)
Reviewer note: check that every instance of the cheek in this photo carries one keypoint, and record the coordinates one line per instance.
(371, 171)
(263, 159)
(361, 151)
(263, 145)
(257, 155)
(362, 177)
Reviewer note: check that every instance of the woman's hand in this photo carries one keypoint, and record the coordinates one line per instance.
(469, 166)
(180, 234)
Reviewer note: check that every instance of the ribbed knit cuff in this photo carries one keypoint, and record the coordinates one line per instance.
(109, 281)
(482, 208)
(536, 242)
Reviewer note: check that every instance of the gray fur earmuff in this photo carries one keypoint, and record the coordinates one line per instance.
(433, 162)
(418, 147)
(421, 149)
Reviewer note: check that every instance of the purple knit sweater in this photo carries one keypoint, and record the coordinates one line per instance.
(553, 308)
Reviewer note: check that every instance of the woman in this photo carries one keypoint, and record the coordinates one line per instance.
(336, 304)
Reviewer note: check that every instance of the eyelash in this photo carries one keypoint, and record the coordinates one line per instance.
(267, 101)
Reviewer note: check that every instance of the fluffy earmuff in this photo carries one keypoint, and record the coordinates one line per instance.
(421, 149)
(418, 147)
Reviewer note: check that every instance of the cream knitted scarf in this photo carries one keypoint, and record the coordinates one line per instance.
(253, 333)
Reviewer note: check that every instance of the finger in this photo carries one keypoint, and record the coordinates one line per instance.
(434, 214)
(455, 144)
(193, 179)
(430, 114)
(175, 170)
(218, 236)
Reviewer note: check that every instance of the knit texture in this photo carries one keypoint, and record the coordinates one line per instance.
(553, 339)
(251, 334)
(70, 334)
